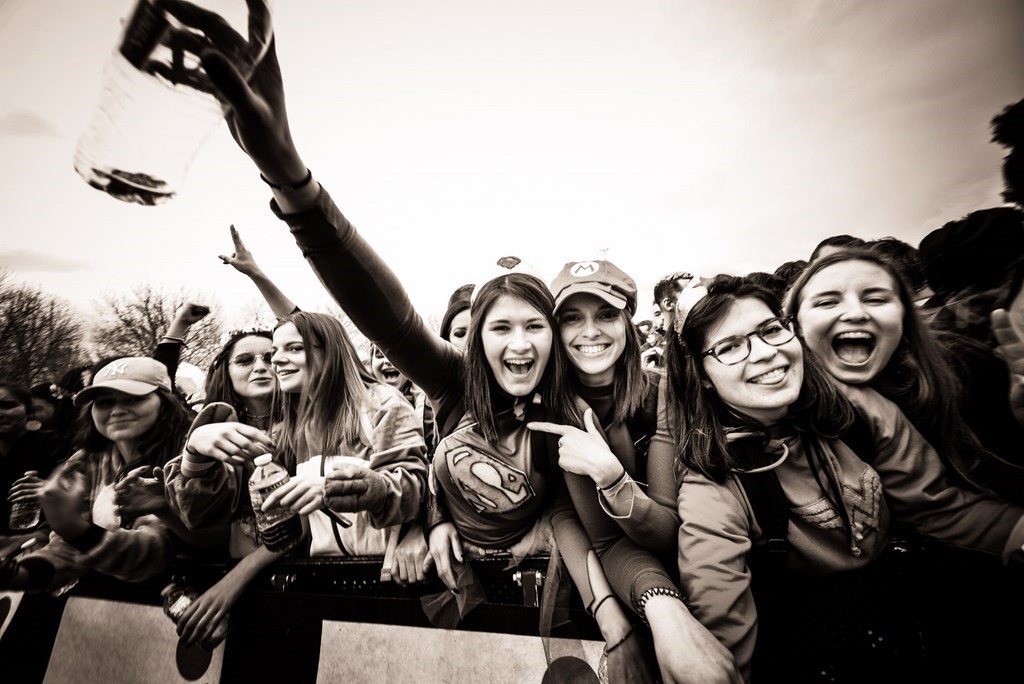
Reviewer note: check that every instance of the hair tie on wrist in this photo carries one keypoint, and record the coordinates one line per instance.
(190, 450)
(290, 186)
(594, 607)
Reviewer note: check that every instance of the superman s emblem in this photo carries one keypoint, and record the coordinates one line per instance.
(490, 485)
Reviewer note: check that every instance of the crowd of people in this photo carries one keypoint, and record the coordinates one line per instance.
(875, 387)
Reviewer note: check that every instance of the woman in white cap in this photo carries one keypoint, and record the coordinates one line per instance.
(129, 419)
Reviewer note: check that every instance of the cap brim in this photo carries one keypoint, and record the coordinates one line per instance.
(610, 297)
(136, 388)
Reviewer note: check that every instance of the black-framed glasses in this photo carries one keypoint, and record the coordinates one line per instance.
(246, 360)
(776, 332)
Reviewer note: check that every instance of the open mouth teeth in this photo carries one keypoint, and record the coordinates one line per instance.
(854, 347)
(518, 366)
(390, 374)
(770, 377)
(591, 348)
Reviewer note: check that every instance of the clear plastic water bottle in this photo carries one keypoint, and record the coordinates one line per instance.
(281, 528)
(25, 513)
(156, 107)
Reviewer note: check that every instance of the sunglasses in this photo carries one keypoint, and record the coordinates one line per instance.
(247, 360)
(7, 404)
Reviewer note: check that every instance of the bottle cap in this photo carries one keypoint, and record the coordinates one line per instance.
(262, 459)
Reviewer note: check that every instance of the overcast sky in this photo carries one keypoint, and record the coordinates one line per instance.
(677, 135)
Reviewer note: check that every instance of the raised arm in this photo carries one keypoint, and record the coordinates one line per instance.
(367, 290)
(243, 262)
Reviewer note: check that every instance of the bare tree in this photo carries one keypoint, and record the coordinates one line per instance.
(359, 340)
(132, 324)
(41, 336)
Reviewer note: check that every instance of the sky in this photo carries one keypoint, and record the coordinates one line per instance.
(706, 136)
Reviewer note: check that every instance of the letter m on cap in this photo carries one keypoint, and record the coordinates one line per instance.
(584, 268)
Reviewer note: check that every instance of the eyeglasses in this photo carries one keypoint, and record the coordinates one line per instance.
(732, 350)
(246, 360)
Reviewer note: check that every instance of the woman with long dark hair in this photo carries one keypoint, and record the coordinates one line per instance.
(855, 311)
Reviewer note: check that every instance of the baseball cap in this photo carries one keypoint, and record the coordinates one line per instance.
(135, 375)
(601, 278)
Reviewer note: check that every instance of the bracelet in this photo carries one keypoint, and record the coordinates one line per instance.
(190, 450)
(641, 603)
(629, 633)
(290, 186)
(179, 340)
(617, 481)
(593, 610)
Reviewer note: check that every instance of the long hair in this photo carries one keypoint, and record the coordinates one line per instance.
(160, 444)
(921, 376)
(697, 415)
(218, 378)
(335, 393)
(631, 382)
(553, 387)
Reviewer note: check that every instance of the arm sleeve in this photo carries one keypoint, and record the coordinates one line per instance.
(650, 518)
(919, 491)
(714, 540)
(131, 555)
(630, 569)
(204, 492)
(399, 454)
(372, 296)
(205, 498)
(169, 354)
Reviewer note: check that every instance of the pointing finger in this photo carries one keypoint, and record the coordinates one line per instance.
(553, 428)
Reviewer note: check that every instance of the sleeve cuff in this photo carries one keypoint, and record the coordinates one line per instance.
(196, 466)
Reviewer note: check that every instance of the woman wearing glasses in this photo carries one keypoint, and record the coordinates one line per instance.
(749, 403)
(241, 375)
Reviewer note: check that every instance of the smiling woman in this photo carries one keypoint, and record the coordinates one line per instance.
(131, 423)
(856, 313)
(770, 447)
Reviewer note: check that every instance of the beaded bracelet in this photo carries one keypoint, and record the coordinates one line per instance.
(641, 603)
(290, 186)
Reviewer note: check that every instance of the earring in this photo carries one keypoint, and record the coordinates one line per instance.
(707, 385)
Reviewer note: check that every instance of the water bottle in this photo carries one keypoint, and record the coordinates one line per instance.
(281, 528)
(177, 599)
(24, 513)
(156, 107)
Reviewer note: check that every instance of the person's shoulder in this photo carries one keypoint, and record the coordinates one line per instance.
(381, 397)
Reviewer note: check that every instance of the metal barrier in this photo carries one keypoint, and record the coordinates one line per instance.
(923, 612)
